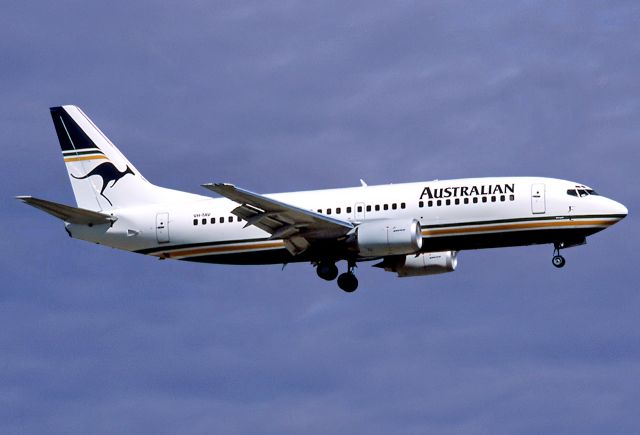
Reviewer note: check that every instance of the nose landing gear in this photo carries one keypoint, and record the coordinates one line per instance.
(558, 260)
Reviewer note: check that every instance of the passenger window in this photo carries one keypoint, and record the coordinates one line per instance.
(448, 202)
(457, 201)
(394, 206)
(230, 218)
(502, 198)
(512, 197)
(359, 209)
(377, 207)
(368, 208)
(385, 206)
(484, 199)
(328, 211)
(493, 199)
(403, 205)
(430, 203)
(221, 220)
(338, 210)
(348, 209)
(466, 200)
(439, 203)
(475, 199)
(213, 220)
(421, 204)
(195, 221)
(204, 221)
(319, 210)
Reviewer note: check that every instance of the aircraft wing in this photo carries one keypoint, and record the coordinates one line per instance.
(296, 226)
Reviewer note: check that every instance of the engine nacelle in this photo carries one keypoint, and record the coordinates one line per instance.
(389, 237)
(430, 263)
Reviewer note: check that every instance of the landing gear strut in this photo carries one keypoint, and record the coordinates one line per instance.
(558, 260)
(348, 281)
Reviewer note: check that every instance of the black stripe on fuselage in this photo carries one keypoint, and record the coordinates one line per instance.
(161, 249)
(270, 256)
(464, 242)
(531, 219)
(170, 248)
(456, 242)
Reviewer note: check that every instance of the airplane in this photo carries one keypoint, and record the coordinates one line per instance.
(411, 229)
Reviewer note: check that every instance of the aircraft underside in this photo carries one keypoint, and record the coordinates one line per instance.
(567, 237)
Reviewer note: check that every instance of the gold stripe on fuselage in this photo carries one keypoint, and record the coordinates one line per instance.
(518, 226)
(238, 248)
(222, 249)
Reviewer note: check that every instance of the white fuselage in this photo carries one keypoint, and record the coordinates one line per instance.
(454, 214)
(414, 229)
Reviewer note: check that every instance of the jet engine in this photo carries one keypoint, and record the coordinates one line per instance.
(430, 263)
(389, 237)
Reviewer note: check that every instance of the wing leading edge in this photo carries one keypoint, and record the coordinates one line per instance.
(298, 227)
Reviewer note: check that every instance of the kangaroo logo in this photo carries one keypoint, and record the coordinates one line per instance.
(108, 172)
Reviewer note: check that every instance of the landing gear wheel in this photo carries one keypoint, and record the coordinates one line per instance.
(327, 271)
(558, 261)
(348, 282)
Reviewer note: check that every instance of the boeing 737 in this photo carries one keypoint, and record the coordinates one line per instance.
(410, 229)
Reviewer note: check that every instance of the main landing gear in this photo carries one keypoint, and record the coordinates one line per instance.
(346, 281)
(327, 271)
(558, 260)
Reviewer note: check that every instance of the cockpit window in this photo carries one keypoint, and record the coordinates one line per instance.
(581, 192)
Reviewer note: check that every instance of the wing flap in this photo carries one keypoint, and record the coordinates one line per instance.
(296, 226)
(67, 213)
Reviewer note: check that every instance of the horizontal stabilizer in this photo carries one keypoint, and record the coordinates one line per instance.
(69, 214)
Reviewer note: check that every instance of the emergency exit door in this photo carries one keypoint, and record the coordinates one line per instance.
(162, 227)
(538, 198)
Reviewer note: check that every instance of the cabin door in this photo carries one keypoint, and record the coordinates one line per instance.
(162, 227)
(538, 198)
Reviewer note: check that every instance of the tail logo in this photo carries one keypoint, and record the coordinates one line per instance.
(108, 172)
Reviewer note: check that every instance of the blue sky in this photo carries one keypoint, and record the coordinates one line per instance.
(291, 95)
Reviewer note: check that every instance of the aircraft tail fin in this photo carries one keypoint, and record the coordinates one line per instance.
(100, 175)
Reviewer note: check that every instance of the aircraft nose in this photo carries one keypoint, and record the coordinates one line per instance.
(618, 209)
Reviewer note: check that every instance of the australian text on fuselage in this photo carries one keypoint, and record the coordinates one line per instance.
(457, 191)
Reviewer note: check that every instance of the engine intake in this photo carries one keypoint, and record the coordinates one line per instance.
(430, 263)
(389, 237)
